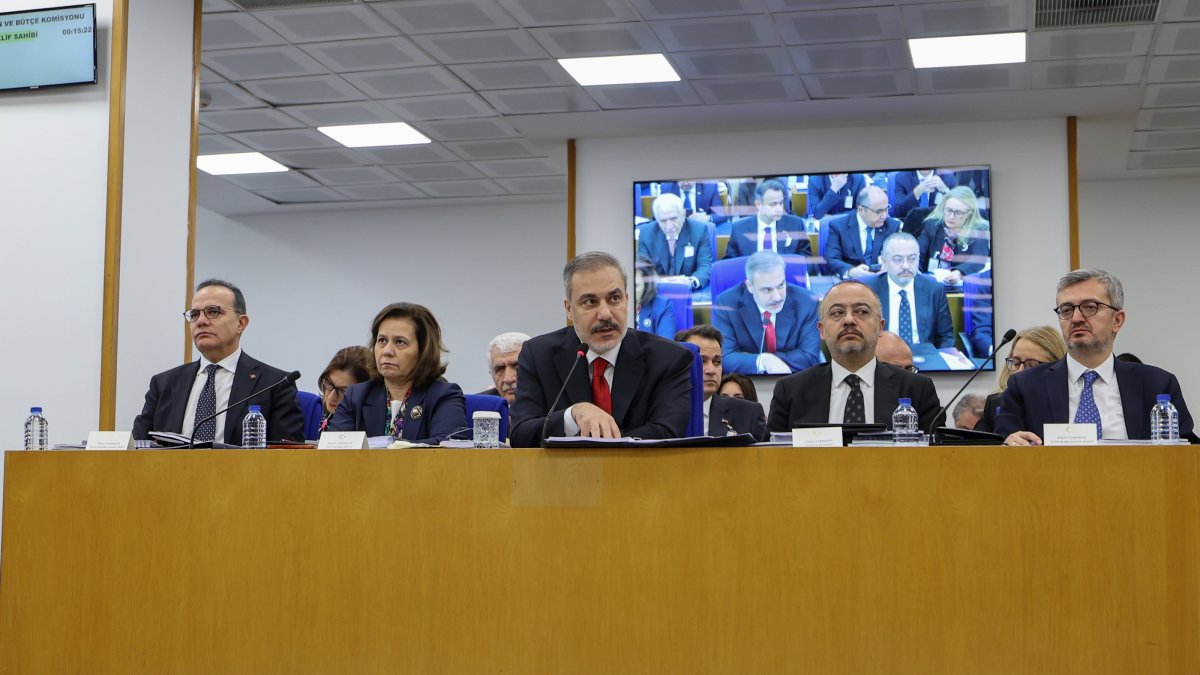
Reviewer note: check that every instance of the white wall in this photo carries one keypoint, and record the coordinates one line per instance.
(1029, 181)
(1144, 231)
(313, 282)
(53, 175)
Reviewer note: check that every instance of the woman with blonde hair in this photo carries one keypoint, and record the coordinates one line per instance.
(956, 240)
(1032, 348)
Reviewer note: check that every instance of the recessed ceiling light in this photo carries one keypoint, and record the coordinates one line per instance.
(371, 135)
(238, 162)
(629, 69)
(967, 50)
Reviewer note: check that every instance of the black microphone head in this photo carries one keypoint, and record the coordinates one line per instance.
(293, 376)
(1009, 335)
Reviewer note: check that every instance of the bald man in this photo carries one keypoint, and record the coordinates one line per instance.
(891, 349)
(856, 238)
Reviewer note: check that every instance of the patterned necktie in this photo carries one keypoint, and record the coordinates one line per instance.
(206, 406)
(768, 333)
(601, 395)
(856, 409)
(671, 246)
(905, 318)
(768, 239)
(1088, 413)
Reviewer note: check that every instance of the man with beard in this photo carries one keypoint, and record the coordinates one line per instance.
(915, 306)
(855, 387)
(723, 415)
(632, 383)
(1088, 385)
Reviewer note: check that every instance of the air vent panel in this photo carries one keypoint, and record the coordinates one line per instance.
(1084, 13)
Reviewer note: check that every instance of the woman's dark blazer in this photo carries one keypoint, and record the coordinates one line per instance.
(433, 412)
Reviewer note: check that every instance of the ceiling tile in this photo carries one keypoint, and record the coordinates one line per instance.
(270, 181)
(235, 29)
(535, 185)
(564, 12)
(215, 144)
(319, 159)
(381, 193)
(501, 148)
(409, 154)
(262, 63)
(333, 114)
(1174, 69)
(1178, 159)
(545, 100)
(1166, 140)
(227, 121)
(755, 30)
(750, 90)
(1058, 45)
(321, 24)
(1171, 95)
(860, 85)
(443, 16)
(467, 130)
(219, 6)
(1178, 38)
(964, 18)
(461, 188)
(450, 106)
(852, 56)
(686, 9)
(513, 75)
(1085, 73)
(511, 168)
(653, 95)
(287, 139)
(845, 25)
(423, 81)
(1169, 118)
(229, 96)
(302, 195)
(304, 90)
(793, 5)
(1003, 77)
(351, 175)
(378, 54)
(606, 40)
(1181, 11)
(435, 171)
(734, 63)
(485, 46)
(208, 75)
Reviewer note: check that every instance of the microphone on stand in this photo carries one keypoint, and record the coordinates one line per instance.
(1008, 337)
(290, 377)
(579, 353)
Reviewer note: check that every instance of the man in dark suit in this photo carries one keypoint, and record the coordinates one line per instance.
(1089, 385)
(701, 201)
(678, 247)
(977, 312)
(914, 305)
(855, 387)
(632, 384)
(502, 354)
(179, 398)
(856, 239)
(771, 229)
(770, 326)
(834, 193)
(908, 190)
(723, 415)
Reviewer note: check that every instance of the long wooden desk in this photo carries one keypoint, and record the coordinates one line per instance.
(754, 560)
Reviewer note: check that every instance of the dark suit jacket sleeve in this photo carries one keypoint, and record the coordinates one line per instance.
(529, 411)
(834, 253)
(900, 185)
(704, 259)
(944, 326)
(664, 319)
(1011, 415)
(285, 421)
(736, 357)
(143, 424)
(348, 416)
(807, 352)
(448, 412)
(671, 402)
(925, 400)
(734, 248)
(781, 406)
(820, 197)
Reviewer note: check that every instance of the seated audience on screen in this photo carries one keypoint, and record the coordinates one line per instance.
(738, 386)
(182, 397)
(771, 229)
(891, 349)
(350, 365)
(914, 304)
(653, 313)
(968, 411)
(680, 248)
(855, 387)
(1089, 385)
(834, 193)
(632, 384)
(856, 238)
(770, 326)
(956, 240)
(1031, 348)
(923, 188)
(723, 415)
(977, 312)
(406, 369)
(502, 353)
(701, 200)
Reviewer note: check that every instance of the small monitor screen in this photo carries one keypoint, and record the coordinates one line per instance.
(754, 255)
(48, 47)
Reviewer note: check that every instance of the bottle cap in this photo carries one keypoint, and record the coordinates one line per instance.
(35, 410)
(1164, 398)
(255, 408)
(906, 401)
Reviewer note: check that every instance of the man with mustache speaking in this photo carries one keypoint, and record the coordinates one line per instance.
(632, 383)
(856, 387)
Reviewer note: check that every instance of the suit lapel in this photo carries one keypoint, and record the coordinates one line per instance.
(887, 393)
(374, 410)
(1131, 399)
(181, 390)
(753, 320)
(580, 387)
(817, 397)
(414, 415)
(627, 377)
(856, 238)
(245, 382)
(1057, 392)
(783, 320)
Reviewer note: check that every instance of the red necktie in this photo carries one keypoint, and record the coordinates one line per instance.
(600, 393)
(768, 333)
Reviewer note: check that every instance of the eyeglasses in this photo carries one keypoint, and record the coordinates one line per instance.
(876, 212)
(912, 368)
(328, 388)
(900, 259)
(1018, 364)
(861, 313)
(957, 213)
(1087, 308)
(212, 312)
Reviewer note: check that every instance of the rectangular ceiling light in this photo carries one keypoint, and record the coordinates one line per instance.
(967, 50)
(629, 69)
(372, 135)
(238, 162)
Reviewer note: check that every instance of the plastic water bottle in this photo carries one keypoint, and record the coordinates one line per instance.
(37, 430)
(1164, 421)
(905, 429)
(254, 429)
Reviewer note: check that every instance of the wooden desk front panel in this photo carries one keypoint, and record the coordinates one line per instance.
(757, 560)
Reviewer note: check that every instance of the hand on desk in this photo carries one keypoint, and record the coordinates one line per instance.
(1023, 438)
(594, 422)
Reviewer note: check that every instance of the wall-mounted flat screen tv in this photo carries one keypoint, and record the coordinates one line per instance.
(51, 47)
(754, 255)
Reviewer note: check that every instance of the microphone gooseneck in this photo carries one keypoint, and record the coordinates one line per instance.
(579, 353)
(290, 377)
(1008, 337)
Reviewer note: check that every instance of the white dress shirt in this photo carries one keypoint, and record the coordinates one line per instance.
(762, 243)
(862, 238)
(223, 383)
(840, 391)
(1106, 392)
(570, 427)
(893, 319)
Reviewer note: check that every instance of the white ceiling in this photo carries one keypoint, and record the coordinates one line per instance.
(479, 77)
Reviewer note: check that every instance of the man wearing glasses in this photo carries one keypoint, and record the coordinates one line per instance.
(855, 239)
(183, 397)
(914, 304)
(855, 387)
(1089, 385)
